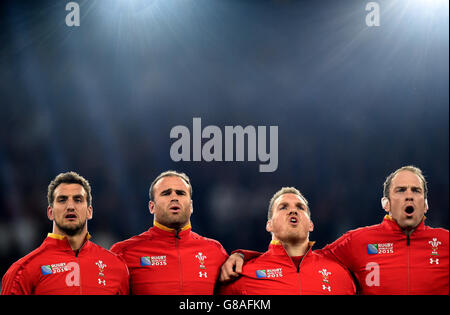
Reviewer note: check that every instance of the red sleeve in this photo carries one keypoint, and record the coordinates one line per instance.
(222, 251)
(125, 284)
(342, 250)
(116, 249)
(248, 254)
(346, 282)
(16, 281)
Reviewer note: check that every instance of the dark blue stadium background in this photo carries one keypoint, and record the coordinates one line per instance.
(352, 103)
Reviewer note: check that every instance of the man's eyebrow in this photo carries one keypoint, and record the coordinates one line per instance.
(406, 186)
(67, 196)
(167, 190)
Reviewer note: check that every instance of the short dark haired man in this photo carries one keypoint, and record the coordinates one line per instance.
(67, 262)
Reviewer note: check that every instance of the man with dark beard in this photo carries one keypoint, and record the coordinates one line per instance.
(67, 262)
(169, 258)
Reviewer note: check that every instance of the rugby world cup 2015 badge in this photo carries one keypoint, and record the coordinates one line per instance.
(46, 270)
(154, 261)
(145, 261)
(261, 274)
(54, 268)
(380, 248)
(269, 273)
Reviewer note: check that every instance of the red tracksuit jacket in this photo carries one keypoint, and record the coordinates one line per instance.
(54, 268)
(162, 262)
(274, 273)
(386, 261)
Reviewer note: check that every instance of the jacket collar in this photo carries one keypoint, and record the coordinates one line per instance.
(276, 247)
(169, 232)
(390, 223)
(61, 242)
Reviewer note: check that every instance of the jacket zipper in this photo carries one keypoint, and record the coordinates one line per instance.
(408, 241)
(298, 276)
(77, 252)
(298, 270)
(180, 273)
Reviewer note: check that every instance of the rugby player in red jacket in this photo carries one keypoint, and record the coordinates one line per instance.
(170, 258)
(67, 262)
(401, 255)
(290, 266)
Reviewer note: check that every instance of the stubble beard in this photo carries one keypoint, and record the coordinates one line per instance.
(71, 230)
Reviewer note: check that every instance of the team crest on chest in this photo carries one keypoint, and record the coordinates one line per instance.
(201, 260)
(325, 279)
(101, 275)
(434, 246)
(434, 251)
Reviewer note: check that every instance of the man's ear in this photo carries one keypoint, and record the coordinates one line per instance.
(90, 212)
(386, 204)
(151, 207)
(426, 205)
(50, 215)
(311, 226)
(269, 226)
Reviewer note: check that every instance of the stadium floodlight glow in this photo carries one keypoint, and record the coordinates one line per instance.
(430, 4)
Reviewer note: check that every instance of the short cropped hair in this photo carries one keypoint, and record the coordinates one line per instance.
(68, 178)
(387, 183)
(183, 176)
(282, 191)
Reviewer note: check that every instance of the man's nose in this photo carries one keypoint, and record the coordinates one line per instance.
(70, 204)
(409, 195)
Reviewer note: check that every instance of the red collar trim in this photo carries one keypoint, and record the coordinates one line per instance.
(390, 221)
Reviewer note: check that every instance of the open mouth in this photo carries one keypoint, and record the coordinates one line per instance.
(409, 210)
(71, 216)
(175, 208)
(293, 220)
